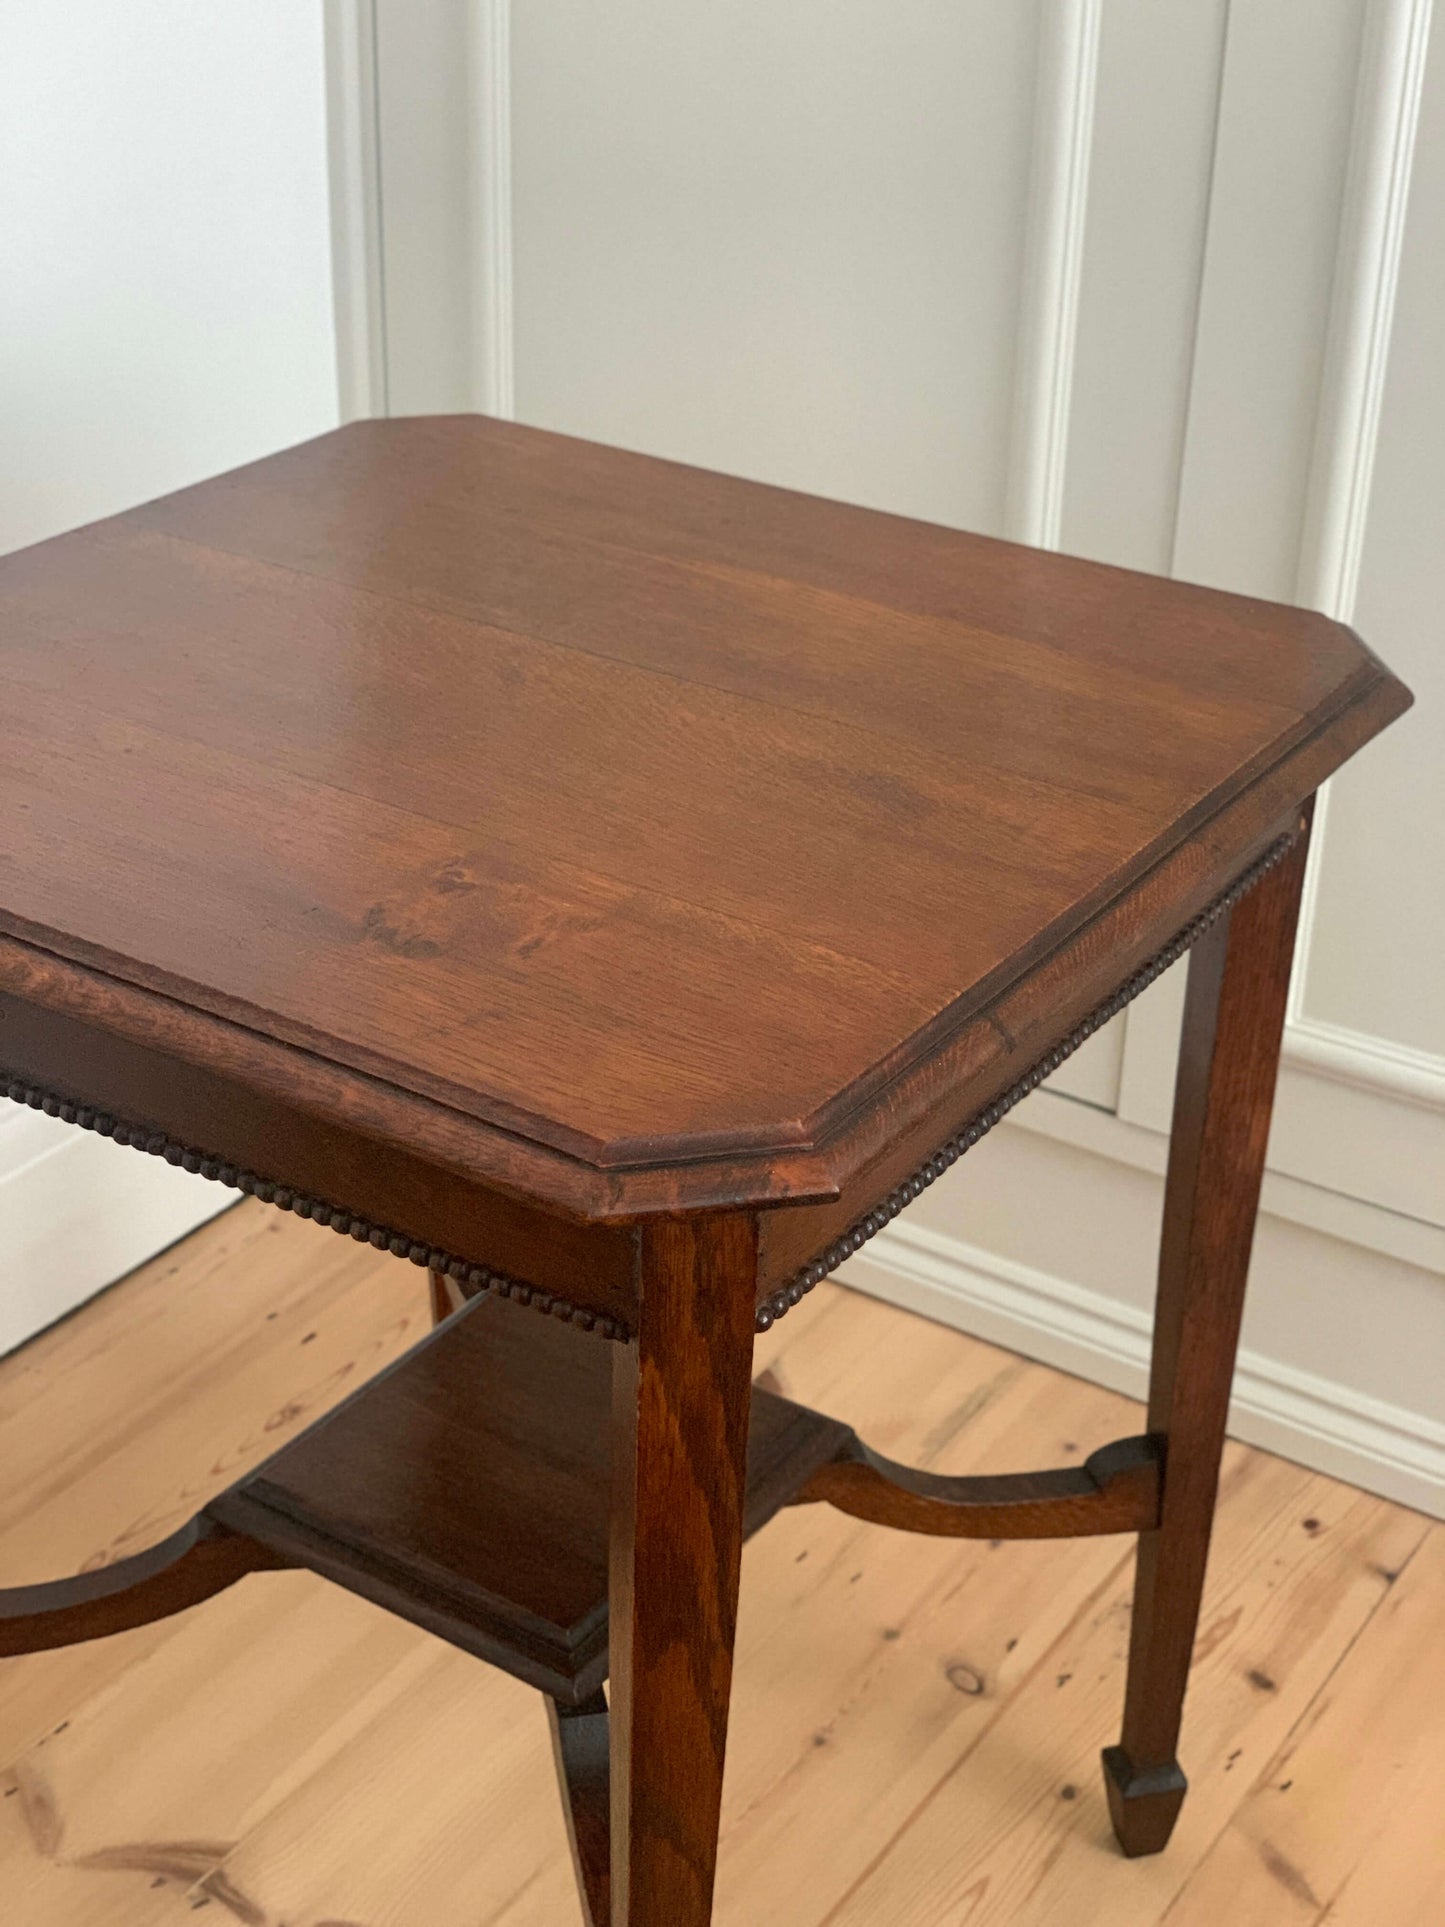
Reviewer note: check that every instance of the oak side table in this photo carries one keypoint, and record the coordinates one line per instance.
(621, 889)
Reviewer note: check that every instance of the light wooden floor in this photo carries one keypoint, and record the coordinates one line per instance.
(916, 1723)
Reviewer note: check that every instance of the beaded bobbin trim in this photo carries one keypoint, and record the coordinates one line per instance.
(476, 1279)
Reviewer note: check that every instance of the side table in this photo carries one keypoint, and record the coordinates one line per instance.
(622, 889)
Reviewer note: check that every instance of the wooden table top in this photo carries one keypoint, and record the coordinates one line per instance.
(627, 817)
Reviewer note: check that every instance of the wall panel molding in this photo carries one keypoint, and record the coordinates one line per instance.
(493, 321)
(1068, 66)
(1064, 105)
(1413, 1241)
(1367, 273)
(1338, 1083)
(354, 160)
(1354, 1114)
(1368, 1063)
(1367, 276)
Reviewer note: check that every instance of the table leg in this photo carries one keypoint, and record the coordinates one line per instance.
(680, 1428)
(446, 1296)
(1228, 1059)
(580, 1748)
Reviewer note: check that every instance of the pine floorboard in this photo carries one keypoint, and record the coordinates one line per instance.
(916, 1725)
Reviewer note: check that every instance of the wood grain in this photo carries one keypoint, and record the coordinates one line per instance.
(433, 1798)
(1360, 1847)
(1234, 1014)
(1016, 1828)
(585, 838)
(680, 1429)
(287, 1318)
(192, 1565)
(467, 1488)
(1116, 1489)
(518, 1234)
(533, 855)
(281, 1668)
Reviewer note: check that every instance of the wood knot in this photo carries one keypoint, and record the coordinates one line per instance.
(377, 925)
(965, 1679)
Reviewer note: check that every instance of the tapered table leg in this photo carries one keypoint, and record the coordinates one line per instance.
(580, 1748)
(1228, 1059)
(680, 1429)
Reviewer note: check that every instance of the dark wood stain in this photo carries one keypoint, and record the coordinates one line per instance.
(1115, 1490)
(1229, 1055)
(581, 1746)
(548, 863)
(247, 729)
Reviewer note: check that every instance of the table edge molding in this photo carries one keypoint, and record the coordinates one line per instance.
(477, 1279)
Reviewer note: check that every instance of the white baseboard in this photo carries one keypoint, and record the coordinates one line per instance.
(1315, 1421)
(76, 1213)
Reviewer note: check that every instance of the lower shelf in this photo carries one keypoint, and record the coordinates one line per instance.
(467, 1489)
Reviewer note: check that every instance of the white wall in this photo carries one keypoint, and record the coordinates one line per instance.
(755, 237)
(165, 313)
(1162, 285)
